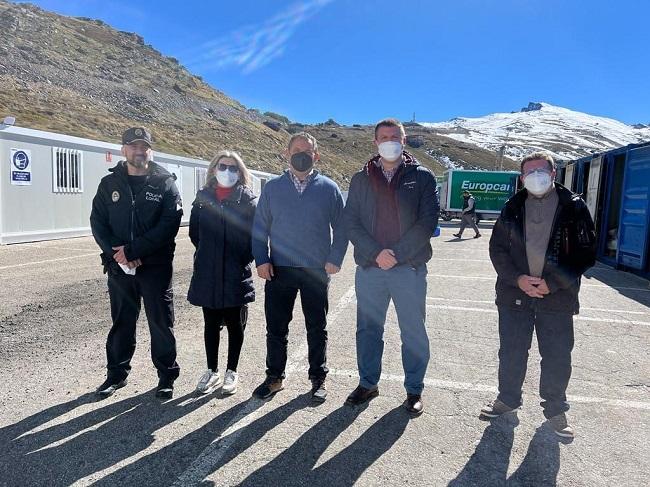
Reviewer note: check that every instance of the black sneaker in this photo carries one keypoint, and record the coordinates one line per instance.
(268, 388)
(478, 235)
(457, 235)
(361, 395)
(318, 389)
(165, 389)
(414, 404)
(109, 386)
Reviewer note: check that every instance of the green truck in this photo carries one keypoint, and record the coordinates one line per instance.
(491, 189)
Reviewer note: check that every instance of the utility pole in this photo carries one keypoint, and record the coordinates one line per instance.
(502, 151)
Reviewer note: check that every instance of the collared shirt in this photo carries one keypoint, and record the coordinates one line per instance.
(540, 213)
(301, 185)
(388, 174)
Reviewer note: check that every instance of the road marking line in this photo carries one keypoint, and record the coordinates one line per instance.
(576, 318)
(202, 466)
(484, 278)
(582, 308)
(470, 386)
(96, 254)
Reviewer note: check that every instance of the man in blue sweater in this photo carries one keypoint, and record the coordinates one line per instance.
(300, 214)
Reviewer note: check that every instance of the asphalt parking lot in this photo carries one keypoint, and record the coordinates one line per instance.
(54, 318)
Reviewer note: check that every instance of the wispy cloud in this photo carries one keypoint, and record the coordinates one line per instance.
(253, 46)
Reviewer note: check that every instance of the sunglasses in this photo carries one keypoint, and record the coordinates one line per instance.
(227, 167)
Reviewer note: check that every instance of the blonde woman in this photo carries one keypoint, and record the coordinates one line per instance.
(222, 284)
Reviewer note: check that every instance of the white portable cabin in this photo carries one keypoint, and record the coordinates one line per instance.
(48, 181)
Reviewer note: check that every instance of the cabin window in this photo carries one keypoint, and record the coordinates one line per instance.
(200, 176)
(67, 170)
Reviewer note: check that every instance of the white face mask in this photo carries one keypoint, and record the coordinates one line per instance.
(538, 182)
(227, 178)
(391, 151)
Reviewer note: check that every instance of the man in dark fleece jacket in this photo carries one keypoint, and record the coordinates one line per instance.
(541, 245)
(390, 216)
(300, 214)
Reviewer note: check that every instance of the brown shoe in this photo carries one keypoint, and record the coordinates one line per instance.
(361, 395)
(268, 388)
(414, 404)
(561, 427)
(495, 409)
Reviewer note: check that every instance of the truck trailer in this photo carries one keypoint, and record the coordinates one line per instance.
(491, 189)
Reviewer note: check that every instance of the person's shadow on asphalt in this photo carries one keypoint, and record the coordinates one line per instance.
(166, 466)
(295, 465)
(488, 465)
(67, 451)
(542, 461)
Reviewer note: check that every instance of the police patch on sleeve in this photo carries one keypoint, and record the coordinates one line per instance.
(115, 196)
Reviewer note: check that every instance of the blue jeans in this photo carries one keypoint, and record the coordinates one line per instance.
(407, 287)
(555, 339)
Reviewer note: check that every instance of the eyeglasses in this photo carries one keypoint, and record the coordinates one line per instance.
(227, 167)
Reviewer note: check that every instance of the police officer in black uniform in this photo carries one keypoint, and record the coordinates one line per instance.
(135, 218)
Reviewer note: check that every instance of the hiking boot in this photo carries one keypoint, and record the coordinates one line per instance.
(230, 382)
(414, 404)
(318, 389)
(361, 395)
(109, 386)
(457, 235)
(561, 427)
(209, 382)
(268, 388)
(478, 235)
(495, 409)
(165, 389)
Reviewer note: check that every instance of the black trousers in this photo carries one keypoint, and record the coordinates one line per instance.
(555, 340)
(235, 320)
(153, 286)
(279, 298)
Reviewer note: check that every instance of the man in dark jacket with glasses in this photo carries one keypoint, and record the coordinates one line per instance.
(541, 245)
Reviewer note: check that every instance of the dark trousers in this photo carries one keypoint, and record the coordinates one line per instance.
(153, 285)
(279, 298)
(555, 339)
(235, 320)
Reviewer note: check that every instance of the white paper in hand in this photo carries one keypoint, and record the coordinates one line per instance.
(126, 270)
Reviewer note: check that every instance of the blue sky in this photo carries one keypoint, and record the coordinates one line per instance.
(358, 61)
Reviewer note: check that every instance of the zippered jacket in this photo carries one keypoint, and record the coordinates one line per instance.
(571, 252)
(146, 223)
(221, 233)
(418, 211)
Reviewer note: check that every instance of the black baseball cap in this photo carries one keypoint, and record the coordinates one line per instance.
(136, 134)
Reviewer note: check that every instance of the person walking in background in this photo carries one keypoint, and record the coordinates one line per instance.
(222, 284)
(391, 213)
(299, 215)
(469, 214)
(135, 218)
(542, 243)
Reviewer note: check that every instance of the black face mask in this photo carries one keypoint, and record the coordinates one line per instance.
(302, 161)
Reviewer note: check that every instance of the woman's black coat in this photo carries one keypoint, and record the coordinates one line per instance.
(221, 233)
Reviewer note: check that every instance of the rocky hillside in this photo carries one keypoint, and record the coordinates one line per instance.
(81, 77)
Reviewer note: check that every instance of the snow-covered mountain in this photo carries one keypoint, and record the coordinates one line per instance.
(567, 134)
